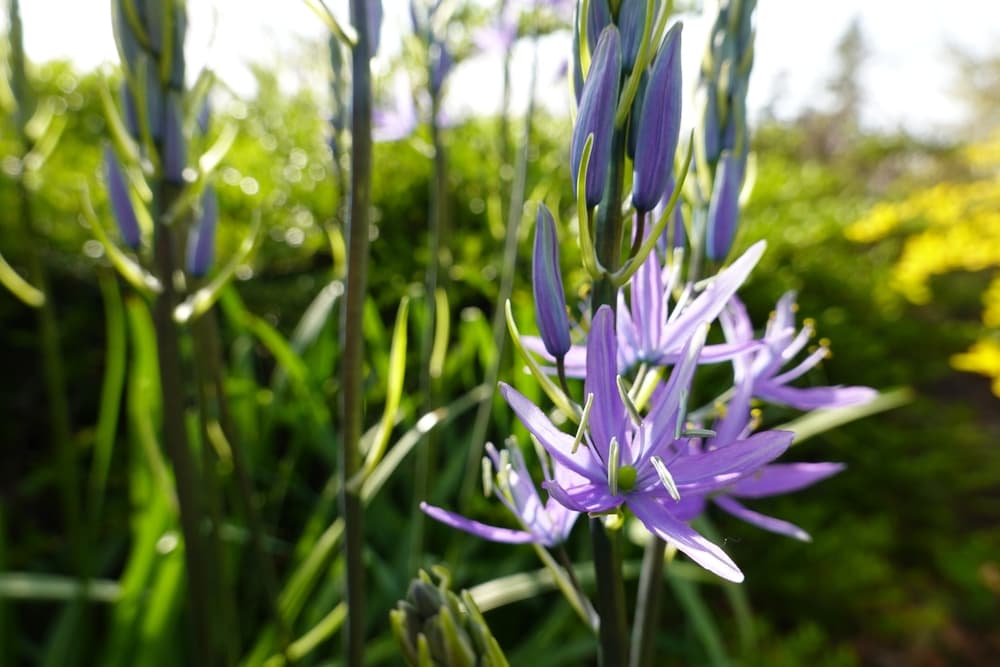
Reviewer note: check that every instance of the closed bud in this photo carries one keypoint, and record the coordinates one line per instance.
(598, 18)
(201, 240)
(676, 227)
(129, 112)
(723, 208)
(550, 300)
(441, 63)
(121, 203)
(177, 63)
(374, 26)
(659, 125)
(597, 114)
(632, 23)
(449, 631)
(174, 141)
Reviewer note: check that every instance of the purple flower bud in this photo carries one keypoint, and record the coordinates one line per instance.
(710, 122)
(598, 18)
(131, 116)
(550, 300)
(201, 241)
(174, 142)
(597, 114)
(680, 234)
(634, 113)
(121, 205)
(577, 65)
(154, 99)
(659, 125)
(724, 206)
(177, 63)
(632, 23)
(204, 117)
(441, 63)
(374, 26)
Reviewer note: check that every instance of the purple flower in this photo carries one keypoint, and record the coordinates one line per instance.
(174, 142)
(649, 331)
(646, 463)
(597, 115)
(658, 126)
(548, 524)
(121, 204)
(724, 206)
(760, 368)
(201, 243)
(550, 300)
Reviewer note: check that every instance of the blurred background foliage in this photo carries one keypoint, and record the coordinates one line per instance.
(892, 242)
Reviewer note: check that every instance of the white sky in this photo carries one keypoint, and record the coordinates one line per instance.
(906, 80)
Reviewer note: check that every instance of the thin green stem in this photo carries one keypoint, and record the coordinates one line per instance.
(647, 606)
(175, 440)
(352, 340)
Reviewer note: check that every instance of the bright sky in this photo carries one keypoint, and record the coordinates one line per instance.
(906, 80)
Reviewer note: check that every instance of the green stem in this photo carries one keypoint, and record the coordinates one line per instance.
(647, 606)
(351, 331)
(175, 440)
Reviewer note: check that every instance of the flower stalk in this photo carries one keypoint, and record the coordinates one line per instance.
(352, 343)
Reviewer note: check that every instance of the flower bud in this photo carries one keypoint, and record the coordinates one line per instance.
(374, 26)
(598, 18)
(550, 300)
(441, 63)
(434, 626)
(174, 142)
(632, 23)
(659, 125)
(679, 233)
(597, 114)
(723, 208)
(129, 113)
(201, 240)
(121, 204)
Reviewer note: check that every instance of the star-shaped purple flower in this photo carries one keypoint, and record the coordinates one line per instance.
(549, 523)
(644, 463)
(781, 343)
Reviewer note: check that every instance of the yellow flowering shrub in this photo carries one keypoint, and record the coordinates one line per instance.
(952, 226)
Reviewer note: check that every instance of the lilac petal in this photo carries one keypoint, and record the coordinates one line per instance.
(647, 304)
(659, 125)
(590, 497)
(741, 457)
(659, 521)
(558, 444)
(174, 142)
(201, 243)
(596, 115)
(688, 508)
(598, 18)
(121, 204)
(487, 532)
(778, 478)
(607, 417)
(768, 523)
(550, 299)
(724, 207)
(737, 417)
(563, 519)
(710, 303)
(814, 397)
(663, 412)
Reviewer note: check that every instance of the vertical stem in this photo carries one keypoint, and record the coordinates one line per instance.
(607, 553)
(353, 343)
(647, 606)
(189, 486)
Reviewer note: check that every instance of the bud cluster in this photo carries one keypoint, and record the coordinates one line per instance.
(435, 627)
